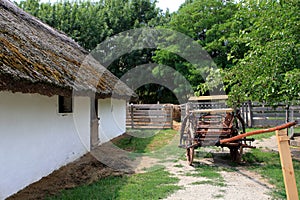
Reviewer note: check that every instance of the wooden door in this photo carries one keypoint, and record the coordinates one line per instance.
(94, 139)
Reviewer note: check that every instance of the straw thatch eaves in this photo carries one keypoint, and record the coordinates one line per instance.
(35, 58)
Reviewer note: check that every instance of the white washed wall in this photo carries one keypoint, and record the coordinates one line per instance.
(35, 140)
(112, 113)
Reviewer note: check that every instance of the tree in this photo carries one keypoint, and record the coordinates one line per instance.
(269, 69)
(197, 19)
(256, 46)
(92, 22)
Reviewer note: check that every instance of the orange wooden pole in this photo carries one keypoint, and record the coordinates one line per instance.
(238, 137)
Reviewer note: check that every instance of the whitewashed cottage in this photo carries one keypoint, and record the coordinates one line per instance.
(56, 103)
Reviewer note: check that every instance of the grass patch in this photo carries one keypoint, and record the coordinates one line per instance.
(268, 165)
(154, 167)
(151, 185)
(206, 172)
(260, 136)
(209, 172)
(210, 182)
(179, 166)
(218, 196)
(145, 141)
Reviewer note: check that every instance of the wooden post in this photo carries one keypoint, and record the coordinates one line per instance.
(287, 164)
(94, 123)
(292, 128)
(171, 115)
(131, 115)
(250, 114)
(287, 116)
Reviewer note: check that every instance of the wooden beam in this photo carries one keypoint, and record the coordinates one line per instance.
(217, 110)
(208, 98)
(287, 164)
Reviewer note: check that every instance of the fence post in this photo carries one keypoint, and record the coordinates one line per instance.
(287, 164)
(131, 115)
(243, 111)
(250, 114)
(287, 116)
(292, 119)
(171, 115)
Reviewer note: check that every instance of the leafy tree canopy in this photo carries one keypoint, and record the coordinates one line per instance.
(254, 44)
(196, 19)
(92, 22)
(265, 51)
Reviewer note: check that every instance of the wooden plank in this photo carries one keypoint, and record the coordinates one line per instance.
(220, 110)
(150, 125)
(152, 121)
(270, 115)
(266, 123)
(287, 164)
(271, 109)
(154, 117)
(207, 98)
(149, 112)
(149, 116)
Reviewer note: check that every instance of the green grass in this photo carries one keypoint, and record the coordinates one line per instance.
(206, 171)
(156, 183)
(145, 141)
(259, 136)
(218, 196)
(179, 166)
(211, 173)
(268, 165)
(210, 182)
(152, 185)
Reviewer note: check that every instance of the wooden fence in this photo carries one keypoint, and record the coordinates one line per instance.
(262, 115)
(149, 116)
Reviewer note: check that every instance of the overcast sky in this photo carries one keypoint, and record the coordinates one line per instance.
(173, 5)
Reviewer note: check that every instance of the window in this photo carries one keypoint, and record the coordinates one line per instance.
(65, 104)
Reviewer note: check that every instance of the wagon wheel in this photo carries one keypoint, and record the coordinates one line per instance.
(236, 154)
(238, 128)
(189, 141)
(190, 152)
(187, 136)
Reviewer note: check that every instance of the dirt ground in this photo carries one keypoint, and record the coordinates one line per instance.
(240, 184)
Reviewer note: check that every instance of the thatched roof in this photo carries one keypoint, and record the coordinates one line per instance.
(36, 58)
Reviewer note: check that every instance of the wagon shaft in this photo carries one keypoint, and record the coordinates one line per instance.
(241, 136)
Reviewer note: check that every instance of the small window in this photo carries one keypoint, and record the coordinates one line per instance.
(65, 104)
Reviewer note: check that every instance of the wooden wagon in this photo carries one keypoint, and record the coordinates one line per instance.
(217, 126)
(209, 122)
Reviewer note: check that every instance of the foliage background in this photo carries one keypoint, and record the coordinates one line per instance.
(254, 44)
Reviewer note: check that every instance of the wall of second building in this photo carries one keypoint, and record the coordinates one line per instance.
(112, 123)
(35, 139)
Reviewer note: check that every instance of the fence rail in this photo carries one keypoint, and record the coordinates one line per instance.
(263, 115)
(149, 116)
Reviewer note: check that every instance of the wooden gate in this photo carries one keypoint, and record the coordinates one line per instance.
(149, 116)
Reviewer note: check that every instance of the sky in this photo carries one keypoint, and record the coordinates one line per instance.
(173, 5)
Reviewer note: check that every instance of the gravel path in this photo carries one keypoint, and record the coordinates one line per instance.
(239, 185)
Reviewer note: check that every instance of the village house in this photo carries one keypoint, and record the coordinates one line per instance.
(56, 102)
